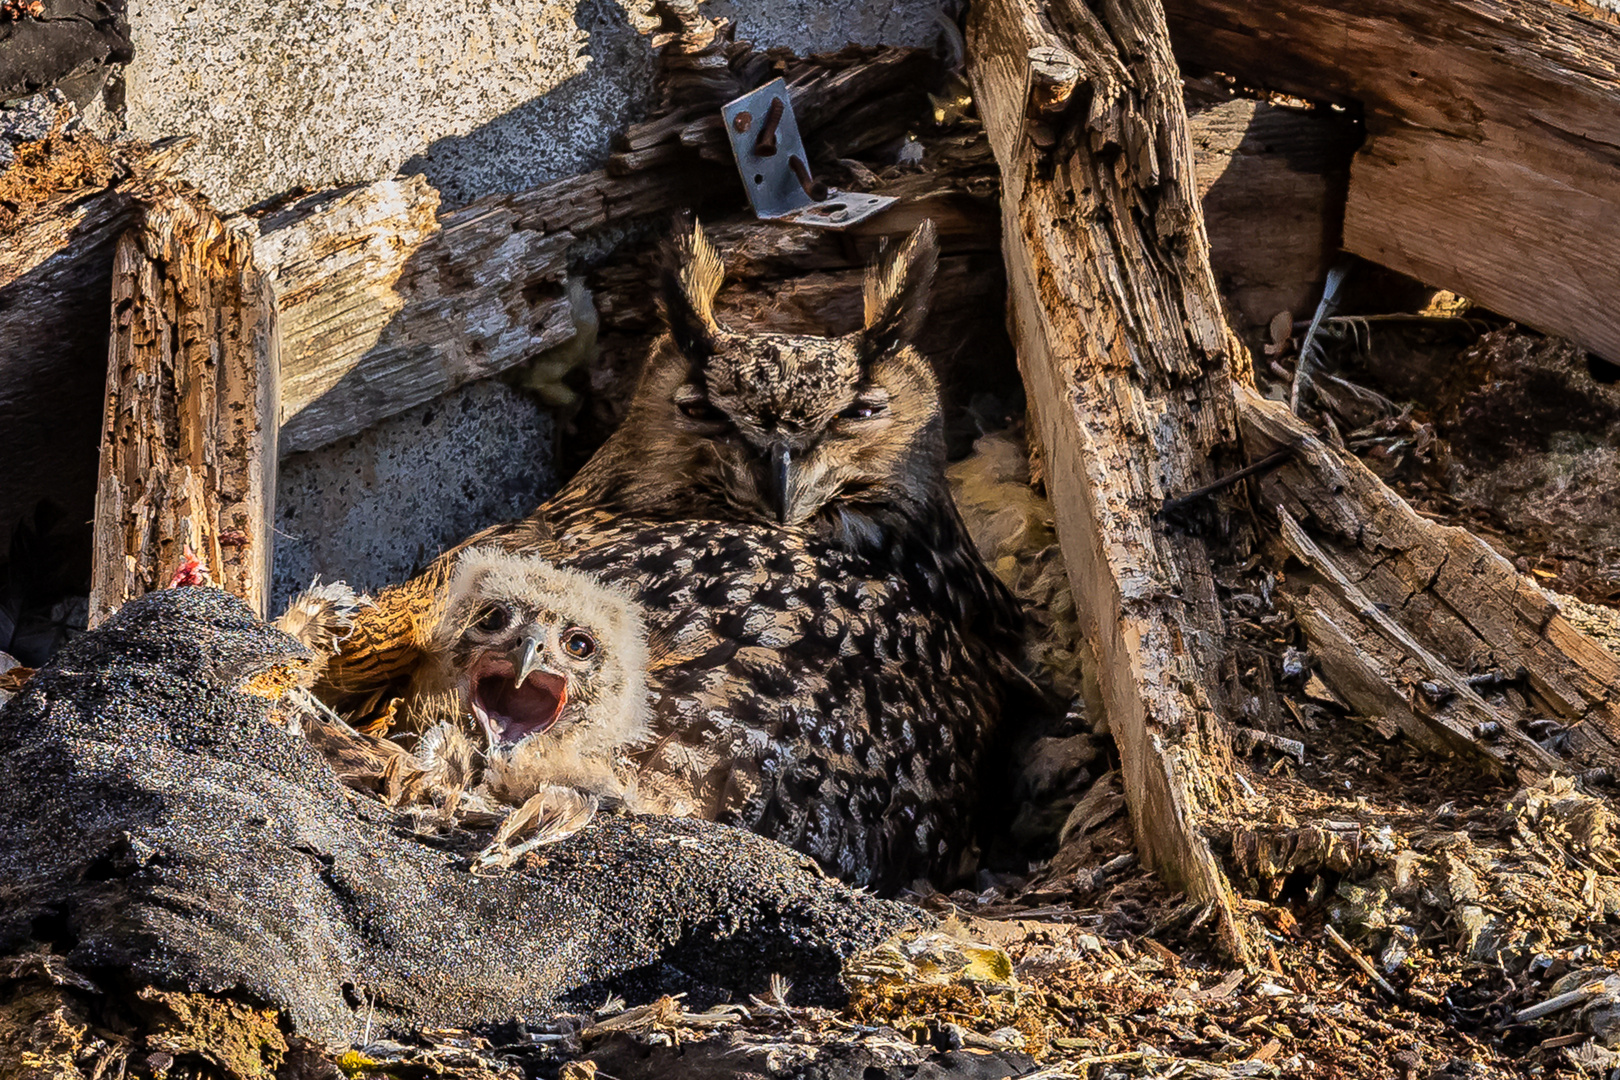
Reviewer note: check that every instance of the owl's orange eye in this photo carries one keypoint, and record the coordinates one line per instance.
(702, 410)
(578, 644)
(494, 619)
(861, 410)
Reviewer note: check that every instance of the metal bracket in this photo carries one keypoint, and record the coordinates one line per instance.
(775, 170)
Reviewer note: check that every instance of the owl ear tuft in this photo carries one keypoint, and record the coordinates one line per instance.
(897, 288)
(688, 281)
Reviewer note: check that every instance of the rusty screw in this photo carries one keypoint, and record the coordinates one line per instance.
(813, 188)
(765, 144)
(741, 121)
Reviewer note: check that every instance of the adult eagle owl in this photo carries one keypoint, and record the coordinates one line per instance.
(836, 657)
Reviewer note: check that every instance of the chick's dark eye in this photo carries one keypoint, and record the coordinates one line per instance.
(861, 410)
(579, 644)
(702, 410)
(493, 619)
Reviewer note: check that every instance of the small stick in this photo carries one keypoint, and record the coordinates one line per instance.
(1559, 1003)
(1361, 962)
(1265, 464)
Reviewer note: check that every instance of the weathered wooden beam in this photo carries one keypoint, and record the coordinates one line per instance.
(388, 302)
(1493, 133)
(1435, 606)
(1272, 182)
(64, 205)
(1129, 363)
(385, 306)
(188, 449)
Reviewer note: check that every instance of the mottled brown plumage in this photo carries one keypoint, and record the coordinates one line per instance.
(836, 654)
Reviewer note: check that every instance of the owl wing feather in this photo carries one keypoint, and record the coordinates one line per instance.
(799, 696)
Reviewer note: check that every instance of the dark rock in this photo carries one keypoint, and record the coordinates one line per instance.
(157, 827)
(69, 44)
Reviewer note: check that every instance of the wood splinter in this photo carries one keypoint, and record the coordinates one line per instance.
(1366, 966)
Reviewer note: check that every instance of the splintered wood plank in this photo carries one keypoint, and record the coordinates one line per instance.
(56, 255)
(1128, 362)
(1492, 160)
(188, 448)
(1435, 605)
(384, 307)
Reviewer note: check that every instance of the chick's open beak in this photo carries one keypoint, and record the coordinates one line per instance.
(514, 694)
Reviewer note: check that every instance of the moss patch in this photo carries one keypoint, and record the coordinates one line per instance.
(243, 1042)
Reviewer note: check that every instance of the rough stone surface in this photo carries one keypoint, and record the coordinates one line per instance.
(287, 93)
(490, 95)
(812, 26)
(373, 509)
(158, 828)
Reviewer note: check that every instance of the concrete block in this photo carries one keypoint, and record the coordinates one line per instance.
(481, 96)
(288, 93)
(375, 508)
(812, 26)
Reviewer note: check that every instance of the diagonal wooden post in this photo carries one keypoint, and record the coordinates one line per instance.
(1129, 365)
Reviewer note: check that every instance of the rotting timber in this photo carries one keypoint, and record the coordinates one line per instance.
(1136, 389)
(188, 452)
(1492, 128)
(1129, 363)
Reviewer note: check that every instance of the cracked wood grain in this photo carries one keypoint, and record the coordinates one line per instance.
(1434, 604)
(1128, 361)
(188, 447)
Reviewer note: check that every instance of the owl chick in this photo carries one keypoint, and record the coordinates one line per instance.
(548, 663)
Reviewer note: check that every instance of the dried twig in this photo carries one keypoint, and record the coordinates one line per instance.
(1580, 995)
(1361, 962)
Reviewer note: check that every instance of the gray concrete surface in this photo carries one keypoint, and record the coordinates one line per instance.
(488, 95)
(372, 509)
(812, 26)
(287, 93)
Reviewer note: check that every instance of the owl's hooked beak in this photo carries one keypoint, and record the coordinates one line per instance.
(779, 480)
(525, 656)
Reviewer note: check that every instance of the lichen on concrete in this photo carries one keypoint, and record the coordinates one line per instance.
(372, 509)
